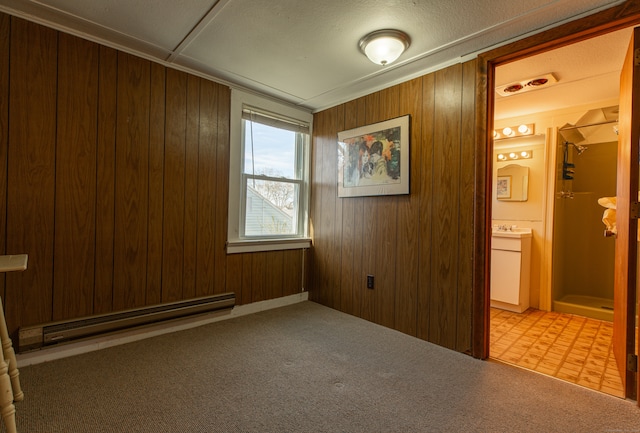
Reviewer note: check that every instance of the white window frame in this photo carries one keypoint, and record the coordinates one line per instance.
(236, 241)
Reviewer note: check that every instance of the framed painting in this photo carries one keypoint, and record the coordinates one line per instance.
(374, 159)
(503, 189)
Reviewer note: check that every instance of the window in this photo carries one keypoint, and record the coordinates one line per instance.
(269, 185)
(273, 181)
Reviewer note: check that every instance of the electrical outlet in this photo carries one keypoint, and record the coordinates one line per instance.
(369, 281)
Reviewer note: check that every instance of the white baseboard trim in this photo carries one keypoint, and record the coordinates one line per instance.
(139, 333)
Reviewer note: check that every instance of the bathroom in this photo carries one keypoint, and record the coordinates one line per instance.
(552, 268)
(570, 164)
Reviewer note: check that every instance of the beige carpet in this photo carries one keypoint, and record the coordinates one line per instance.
(302, 368)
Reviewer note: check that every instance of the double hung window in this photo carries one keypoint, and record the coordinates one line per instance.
(273, 176)
(269, 181)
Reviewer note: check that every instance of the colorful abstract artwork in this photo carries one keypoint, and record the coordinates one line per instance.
(373, 159)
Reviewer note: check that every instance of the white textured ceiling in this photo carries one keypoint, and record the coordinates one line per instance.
(301, 51)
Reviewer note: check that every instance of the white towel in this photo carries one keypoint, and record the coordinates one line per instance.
(609, 220)
(608, 202)
(609, 216)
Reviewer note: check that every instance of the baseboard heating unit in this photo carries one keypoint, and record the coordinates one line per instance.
(38, 336)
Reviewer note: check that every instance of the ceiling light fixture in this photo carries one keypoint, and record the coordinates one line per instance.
(383, 47)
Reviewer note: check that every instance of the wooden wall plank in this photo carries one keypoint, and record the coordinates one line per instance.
(274, 274)
(445, 226)
(174, 187)
(5, 29)
(222, 189)
(292, 272)
(306, 266)
(328, 206)
(75, 185)
(465, 240)
(31, 171)
(406, 303)
(336, 240)
(105, 176)
(369, 260)
(207, 191)
(131, 182)
(387, 220)
(156, 182)
(348, 240)
(191, 187)
(360, 288)
(247, 280)
(426, 205)
(370, 236)
(234, 276)
(258, 270)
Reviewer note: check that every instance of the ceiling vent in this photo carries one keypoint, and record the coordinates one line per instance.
(527, 85)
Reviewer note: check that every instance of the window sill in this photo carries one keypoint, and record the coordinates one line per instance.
(252, 246)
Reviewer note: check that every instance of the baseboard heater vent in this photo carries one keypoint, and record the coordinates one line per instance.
(38, 336)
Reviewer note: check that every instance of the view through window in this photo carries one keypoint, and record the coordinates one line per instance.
(273, 176)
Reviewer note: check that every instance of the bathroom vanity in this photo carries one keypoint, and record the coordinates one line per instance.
(510, 268)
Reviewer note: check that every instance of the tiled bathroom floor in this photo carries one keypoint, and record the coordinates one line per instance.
(572, 348)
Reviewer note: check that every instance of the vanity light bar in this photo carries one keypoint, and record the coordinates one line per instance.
(511, 156)
(514, 131)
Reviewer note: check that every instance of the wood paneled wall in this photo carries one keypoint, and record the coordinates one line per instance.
(114, 179)
(419, 247)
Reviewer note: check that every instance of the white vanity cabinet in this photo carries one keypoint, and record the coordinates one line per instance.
(510, 269)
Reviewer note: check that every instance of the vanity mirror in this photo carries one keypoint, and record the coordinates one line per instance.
(512, 183)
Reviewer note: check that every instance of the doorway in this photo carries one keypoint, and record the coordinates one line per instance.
(571, 164)
(565, 35)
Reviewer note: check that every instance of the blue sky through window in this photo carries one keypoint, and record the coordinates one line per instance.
(273, 150)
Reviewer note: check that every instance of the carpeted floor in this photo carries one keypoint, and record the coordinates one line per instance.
(302, 368)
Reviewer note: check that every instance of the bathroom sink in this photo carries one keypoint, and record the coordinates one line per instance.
(514, 232)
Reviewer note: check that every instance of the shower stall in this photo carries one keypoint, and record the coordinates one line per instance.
(583, 258)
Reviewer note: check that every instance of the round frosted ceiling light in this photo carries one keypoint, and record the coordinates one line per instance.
(383, 47)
